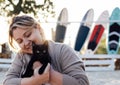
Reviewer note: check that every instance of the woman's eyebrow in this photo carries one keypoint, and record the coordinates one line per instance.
(24, 34)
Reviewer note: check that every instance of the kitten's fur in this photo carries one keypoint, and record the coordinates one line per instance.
(40, 53)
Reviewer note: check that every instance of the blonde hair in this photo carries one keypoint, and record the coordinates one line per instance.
(22, 22)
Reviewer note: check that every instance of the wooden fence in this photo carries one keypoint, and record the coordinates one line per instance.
(93, 62)
(99, 62)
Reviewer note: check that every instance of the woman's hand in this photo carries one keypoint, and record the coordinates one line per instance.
(46, 73)
(37, 79)
(36, 66)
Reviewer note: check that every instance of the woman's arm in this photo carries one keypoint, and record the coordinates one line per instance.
(37, 79)
(12, 76)
(14, 72)
(55, 77)
(71, 67)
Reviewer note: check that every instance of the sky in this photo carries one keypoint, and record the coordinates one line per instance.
(76, 10)
(3, 30)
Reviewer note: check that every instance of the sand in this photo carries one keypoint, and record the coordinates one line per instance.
(104, 78)
(95, 78)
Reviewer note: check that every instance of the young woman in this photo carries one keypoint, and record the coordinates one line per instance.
(66, 68)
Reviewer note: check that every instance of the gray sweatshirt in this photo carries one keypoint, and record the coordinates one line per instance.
(63, 60)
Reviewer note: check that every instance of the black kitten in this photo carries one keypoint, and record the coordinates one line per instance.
(40, 53)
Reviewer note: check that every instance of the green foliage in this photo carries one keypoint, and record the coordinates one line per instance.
(102, 49)
(15, 7)
(119, 51)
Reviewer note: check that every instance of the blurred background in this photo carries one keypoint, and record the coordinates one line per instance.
(47, 12)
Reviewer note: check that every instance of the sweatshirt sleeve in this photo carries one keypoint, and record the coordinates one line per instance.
(72, 67)
(13, 74)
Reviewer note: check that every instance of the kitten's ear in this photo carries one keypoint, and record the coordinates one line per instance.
(33, 45)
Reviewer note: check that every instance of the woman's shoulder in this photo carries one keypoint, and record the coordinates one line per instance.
(56, 44)
(21, 56)
(57, 48)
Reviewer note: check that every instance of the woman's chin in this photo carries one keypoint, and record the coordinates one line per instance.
(27, 51)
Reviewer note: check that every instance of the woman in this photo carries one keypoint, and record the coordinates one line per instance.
(65, 67)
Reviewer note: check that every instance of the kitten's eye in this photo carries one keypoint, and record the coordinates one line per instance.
(37, 51)
(44, 51)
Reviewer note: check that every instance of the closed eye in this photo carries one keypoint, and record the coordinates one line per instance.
(28, 34)
(19, 41)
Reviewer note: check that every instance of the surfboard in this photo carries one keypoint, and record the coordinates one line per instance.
(114, 32)
(84, 29)
(61, 25)
(98, 30)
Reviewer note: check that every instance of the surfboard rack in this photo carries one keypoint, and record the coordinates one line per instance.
(69, 22)
(99, 62)
(5, 63)
(93, 62)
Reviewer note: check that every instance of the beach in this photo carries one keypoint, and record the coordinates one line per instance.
(95, 78)
(104, 78)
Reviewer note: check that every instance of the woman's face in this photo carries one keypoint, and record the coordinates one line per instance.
(25, 37)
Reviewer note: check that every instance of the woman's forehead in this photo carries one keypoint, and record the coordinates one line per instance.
(20, 32)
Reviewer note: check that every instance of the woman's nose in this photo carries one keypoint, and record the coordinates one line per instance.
(26, 42)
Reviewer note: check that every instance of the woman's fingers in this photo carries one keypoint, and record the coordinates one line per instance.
(47, 69)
